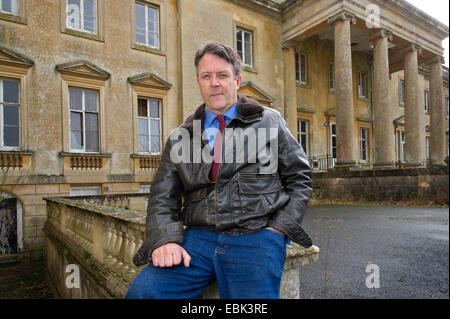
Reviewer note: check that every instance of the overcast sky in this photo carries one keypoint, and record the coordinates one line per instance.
(438, 9)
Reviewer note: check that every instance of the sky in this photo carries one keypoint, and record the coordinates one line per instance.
(438, 9)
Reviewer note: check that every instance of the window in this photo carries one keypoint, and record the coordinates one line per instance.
(84, 133)
(447, 110)
(427, 147)
(401, 137)
(362, 84)
(363, 144)
(150, 101)
(9, 113)
(147, 25)
(402, 92)
(301, 68)
(81, 15)
(331, 80)
(9, 6)
(333, 140)
(149, 125)
(303, 136)
(85, 190)
(426, 97)
(244, 46)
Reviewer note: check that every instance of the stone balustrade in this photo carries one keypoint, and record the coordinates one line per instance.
(134, 201)
(102, 240)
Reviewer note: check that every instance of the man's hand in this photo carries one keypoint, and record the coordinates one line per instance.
(276, 230)
(169, 255)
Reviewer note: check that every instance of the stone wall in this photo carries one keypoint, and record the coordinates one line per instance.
(419, 184)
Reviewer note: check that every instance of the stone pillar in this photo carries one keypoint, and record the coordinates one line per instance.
(346, 155)
(414, 111)
(437, 113)
(383, 127)
(290, 88)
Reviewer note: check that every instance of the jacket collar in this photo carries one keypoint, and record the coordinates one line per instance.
(248, 111)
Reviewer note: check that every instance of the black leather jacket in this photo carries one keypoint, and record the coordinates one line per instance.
(242, 200)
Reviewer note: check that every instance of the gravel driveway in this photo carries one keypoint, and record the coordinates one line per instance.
(408, 245)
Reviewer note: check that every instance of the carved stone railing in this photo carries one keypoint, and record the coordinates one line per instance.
(147, 162)
(13, 159)
(85, 161)
(102, 240)
(135, 201)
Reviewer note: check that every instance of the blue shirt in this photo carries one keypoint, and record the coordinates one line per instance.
(211, 124)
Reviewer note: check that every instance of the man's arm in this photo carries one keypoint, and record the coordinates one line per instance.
(163, 224)
(295, 174)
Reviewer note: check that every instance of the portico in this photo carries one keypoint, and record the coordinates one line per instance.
(389, 41)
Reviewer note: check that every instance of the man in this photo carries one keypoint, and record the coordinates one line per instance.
(239, 214)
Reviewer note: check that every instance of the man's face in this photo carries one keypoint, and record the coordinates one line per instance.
(217, 83)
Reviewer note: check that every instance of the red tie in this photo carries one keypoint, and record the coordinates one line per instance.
(217, 150)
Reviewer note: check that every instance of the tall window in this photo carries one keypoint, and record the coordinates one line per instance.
(82, 15)
(402, 92)
(303, 129)
(427, 147)
(401, 139)
(301, 72)
(447, 108)
(149, 125)
(333, 140)
(9, 113)
(147, 25)
(9, 6)
(244, 46)
(362, 84)
(331, 76)
(363, 144)
(84, 133)
(426, 97)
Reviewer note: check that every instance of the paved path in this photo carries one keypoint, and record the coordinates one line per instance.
(409, 245)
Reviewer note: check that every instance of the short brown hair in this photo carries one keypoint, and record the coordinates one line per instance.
(223, 51)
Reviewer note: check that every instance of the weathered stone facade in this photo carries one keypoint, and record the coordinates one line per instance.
(313, 61)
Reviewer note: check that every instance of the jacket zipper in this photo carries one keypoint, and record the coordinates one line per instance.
(220, 165)
(218, 176)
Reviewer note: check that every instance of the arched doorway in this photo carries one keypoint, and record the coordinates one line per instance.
(11, 236)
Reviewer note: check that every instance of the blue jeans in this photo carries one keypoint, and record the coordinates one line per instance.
(245, 266)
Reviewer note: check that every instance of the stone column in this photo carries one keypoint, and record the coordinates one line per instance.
(384, 127)
(290, 88)
(346, 155)
(437, 113)
(414, 111)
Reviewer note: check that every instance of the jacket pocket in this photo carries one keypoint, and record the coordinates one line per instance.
(258, 184)
(257, 194)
